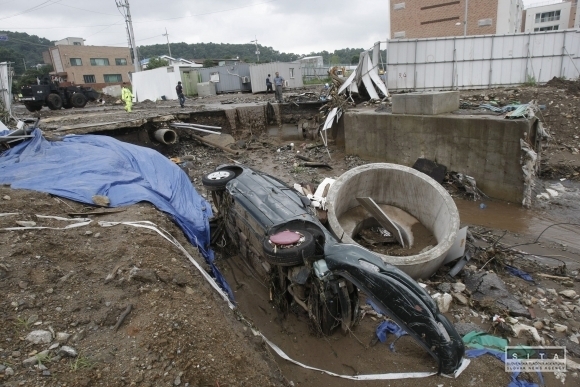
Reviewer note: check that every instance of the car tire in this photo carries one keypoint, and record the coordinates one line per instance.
(292, 255)
(54, 102)
(33, 107)
(78, 100)
(217, 180)
(324, 310)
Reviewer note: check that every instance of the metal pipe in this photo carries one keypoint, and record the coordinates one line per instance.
(193, 128)
(166, 136)
(198, 125)
(465, 20)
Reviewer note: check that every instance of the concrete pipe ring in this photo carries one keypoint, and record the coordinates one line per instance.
(408, 197)
(166, 136)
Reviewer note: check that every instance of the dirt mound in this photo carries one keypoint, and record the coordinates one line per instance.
(572, 86)
(74, 285)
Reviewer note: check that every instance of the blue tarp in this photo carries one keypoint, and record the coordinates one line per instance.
(79, 167)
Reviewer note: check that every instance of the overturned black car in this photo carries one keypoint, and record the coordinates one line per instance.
(275, 231)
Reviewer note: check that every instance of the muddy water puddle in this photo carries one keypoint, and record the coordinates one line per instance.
(345, 355)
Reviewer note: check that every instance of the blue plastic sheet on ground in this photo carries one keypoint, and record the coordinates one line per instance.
(505, 109)
(514, 382)
(519, 273)
(79, 167)
(387, 327)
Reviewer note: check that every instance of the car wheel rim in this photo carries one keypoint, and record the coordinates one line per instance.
(219, 175)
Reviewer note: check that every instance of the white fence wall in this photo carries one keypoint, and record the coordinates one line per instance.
(482, 61)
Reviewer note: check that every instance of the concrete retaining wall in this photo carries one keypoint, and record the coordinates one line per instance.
(485, 147)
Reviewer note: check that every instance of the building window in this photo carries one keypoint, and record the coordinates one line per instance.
(110, 78)
(76, 43)
(89, 79)
(548, 28)
(547, 16)
(399, 6)
(99, 61)
(76, 62)
(291, 73)
(121, 62)
(399, 35)
(484, 22)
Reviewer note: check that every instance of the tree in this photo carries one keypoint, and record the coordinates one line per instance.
(156, 62)
(335, 60)
(208, 63)
(354, 60)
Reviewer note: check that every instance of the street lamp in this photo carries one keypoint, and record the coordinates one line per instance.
(257, 51)
(168, 46)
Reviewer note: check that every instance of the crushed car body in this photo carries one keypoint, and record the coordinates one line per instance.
(274, 230)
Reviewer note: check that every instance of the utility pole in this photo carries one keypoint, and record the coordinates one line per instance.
(123, 6)
(257, 51)
(465, 18)
(24, 61)
(168, 46)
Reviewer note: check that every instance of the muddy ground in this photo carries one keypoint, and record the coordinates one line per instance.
(76, 283)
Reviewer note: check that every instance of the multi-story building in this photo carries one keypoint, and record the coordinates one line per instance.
(96, 66)
(437, 18)
(552, 16)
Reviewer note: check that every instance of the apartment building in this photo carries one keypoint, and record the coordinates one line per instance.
(438, 18)
(94, 66)
(552, 16)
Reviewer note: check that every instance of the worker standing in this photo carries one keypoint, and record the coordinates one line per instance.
(127, 97)
(279, 83)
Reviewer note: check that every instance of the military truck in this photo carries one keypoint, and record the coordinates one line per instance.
(49, 93)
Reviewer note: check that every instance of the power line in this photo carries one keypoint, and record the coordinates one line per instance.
(88, 10)
(36, 7)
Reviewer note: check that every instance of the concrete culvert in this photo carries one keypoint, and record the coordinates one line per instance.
(166, 136)
(413, 201)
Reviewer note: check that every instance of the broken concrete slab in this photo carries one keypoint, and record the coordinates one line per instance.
(465, 328)
(488, 287)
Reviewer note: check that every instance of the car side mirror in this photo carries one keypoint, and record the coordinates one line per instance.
(305, 201)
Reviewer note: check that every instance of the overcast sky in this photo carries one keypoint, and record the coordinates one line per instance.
(297, 26)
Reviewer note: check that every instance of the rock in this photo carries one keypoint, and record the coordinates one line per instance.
(67, 351)
(538, 325)
(490, 288)
(445, 287)
(460, 298)
(6, 197)
(540, 291)
(79, 336)
(464, 328)
(62, 337)
(572, 347)
(9, 371)
(39, 337)
(568, 293)
(26, 223)
(443, 302)
(142, 275)
(101, 200)
(177, 381)
(2, 368)
(46, 373)
(15, 354)
(458, 287)
(552, 292)
(550, 311)
(560, 328)
(36, 359)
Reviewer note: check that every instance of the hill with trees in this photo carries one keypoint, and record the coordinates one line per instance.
(26, 50)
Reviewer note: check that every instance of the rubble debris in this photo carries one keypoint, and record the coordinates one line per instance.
(432, 169)
(488, 288)
(122, 317)
(101, 200)
(464, 328)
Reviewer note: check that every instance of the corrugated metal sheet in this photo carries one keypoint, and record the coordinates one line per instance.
(230, 77)
(482, 61)
(291, 72)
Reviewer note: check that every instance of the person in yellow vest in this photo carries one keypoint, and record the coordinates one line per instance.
(127, 96)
